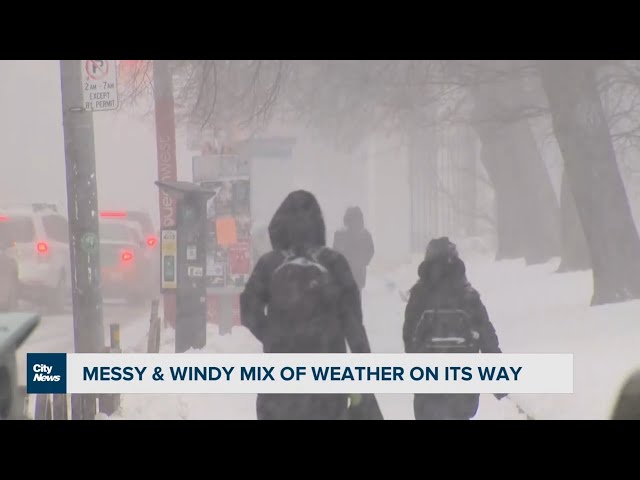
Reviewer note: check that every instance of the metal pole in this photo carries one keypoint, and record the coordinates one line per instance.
(166, 152)
(82, 204)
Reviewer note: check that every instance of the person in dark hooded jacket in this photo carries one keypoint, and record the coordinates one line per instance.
(443, 284)
(355, 243)
(298, 225)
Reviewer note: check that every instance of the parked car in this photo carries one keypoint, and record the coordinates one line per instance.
(40, 247)
(126, 261)
(142, 221)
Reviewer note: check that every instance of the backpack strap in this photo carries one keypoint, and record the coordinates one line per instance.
(306, 256)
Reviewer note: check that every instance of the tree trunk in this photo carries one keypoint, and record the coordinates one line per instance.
(509, 221)
(575, 253)
(539, 205)
(592, 171)
(528, 216)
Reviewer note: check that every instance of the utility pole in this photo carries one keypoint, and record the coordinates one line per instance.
(82, 204)
(167, 165)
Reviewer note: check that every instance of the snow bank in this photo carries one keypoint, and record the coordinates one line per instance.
(134, 340)
(193, 406)
(534, 310)
(383, 311)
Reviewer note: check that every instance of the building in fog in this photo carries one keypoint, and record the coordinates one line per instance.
(410, 187)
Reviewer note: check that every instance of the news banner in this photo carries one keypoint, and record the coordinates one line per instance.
(59, 373)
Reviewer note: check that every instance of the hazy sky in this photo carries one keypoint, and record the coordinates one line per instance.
(32, 145)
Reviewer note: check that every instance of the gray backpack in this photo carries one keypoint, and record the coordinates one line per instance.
(300, 285)
(448, 330)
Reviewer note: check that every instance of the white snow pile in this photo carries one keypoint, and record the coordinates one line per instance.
(192, 406)
(534, 310)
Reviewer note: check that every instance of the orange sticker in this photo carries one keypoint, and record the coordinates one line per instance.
(226, 231)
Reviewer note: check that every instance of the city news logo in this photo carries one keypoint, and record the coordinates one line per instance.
(46, 373)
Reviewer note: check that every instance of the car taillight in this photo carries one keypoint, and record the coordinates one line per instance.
(126, 256)
(151, 241)
(113, 214)
(3, 218)
(42, 247)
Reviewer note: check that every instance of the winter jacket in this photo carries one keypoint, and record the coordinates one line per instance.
(445, 285)
(442, 283)
(356, 244)
(298, 224)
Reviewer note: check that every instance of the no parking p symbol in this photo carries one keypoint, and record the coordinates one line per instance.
(97, 69)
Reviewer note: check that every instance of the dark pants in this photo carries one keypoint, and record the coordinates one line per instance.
(441, 406)
(301, 407)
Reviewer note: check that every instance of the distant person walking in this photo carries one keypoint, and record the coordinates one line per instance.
(355, 243)
(302, 298)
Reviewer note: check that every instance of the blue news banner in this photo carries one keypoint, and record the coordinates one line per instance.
(59, 373)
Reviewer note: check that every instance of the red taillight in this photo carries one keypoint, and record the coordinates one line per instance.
(151, 241)
(3, 218)
(113, 214)
(42, 247)
(126, 256)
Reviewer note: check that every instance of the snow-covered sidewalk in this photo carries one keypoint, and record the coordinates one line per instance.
(534, 310)
(189, 407)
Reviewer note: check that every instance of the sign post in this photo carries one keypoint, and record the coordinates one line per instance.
(166, 153)
(99, 85)
(82, 203)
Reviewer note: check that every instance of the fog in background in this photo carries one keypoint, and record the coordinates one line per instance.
(531, 167)
(33, 166)
(32, 142)
(464, 149)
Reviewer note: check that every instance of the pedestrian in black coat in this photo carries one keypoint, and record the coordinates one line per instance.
(443, 284)
(298, 224)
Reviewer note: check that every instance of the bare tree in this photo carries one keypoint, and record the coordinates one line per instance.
(527, 209)
(135, 83)
(351, 100)
(581, 128)
(575, 251)
(214, 94)
(228, 95)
